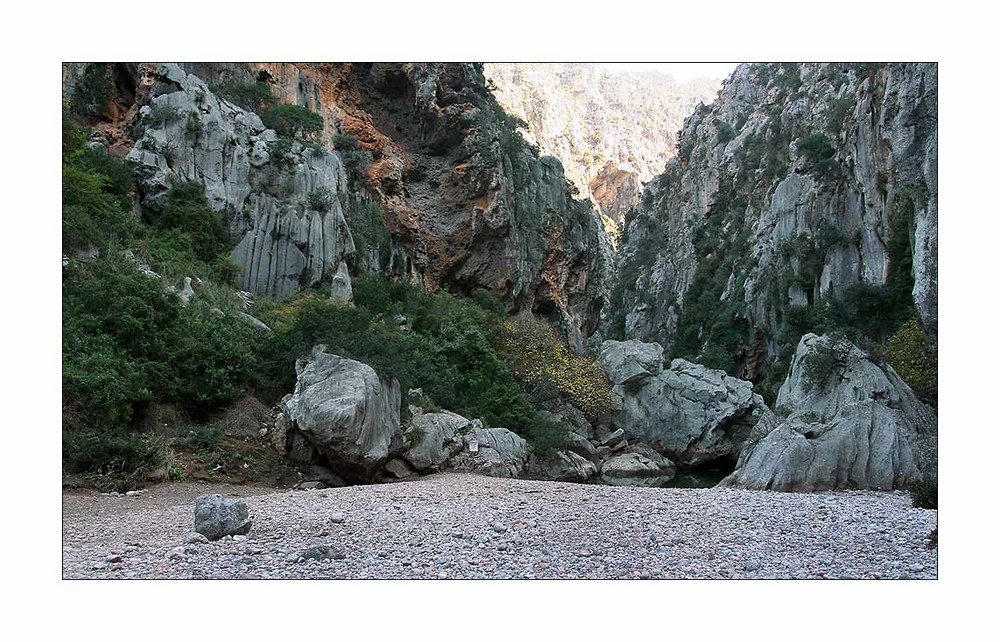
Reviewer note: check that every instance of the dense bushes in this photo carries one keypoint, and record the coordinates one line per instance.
(448, 353)
(186, 210)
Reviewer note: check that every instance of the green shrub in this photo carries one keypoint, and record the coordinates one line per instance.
(820, 152)
(186, 209)
(924, 494)
(250, 95)
(92, 213)
(355, 159)
(725, 131)
(199, 438)
(161, 114)
(320, 200)
(292, 121)
(909, 356)
(367, 222)
(825, 360)
(113, 461)
(545, 435)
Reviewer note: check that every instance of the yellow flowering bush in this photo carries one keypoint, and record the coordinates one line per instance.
(540, 360)
(908, 354)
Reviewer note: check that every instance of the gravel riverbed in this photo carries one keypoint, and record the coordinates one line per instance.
(465, 526)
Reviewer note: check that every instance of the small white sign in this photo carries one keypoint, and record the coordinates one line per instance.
(473, 446)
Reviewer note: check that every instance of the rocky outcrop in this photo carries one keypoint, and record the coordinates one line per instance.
(797, 183)
(434, 437)
(628, 362)
(612, 131)
(561, 465)
(851, 424)
(283, 203)
(637, 469)
(465, 202)
(496, 452)
(689, 413)
(216, 516)
(346, 412)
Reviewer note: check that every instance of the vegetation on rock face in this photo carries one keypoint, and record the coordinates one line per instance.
(92, 91)
(127, 340)
(250, 95)
(825, 360)
(292, 121)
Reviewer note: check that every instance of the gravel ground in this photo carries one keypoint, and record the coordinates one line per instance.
(466, 526)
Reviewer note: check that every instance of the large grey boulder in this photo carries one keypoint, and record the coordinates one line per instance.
(345, 411)
(637, 466)
(433, 438)
(860, 426)
(562, 465)
(630, 361)
(689, 413)
(215, 516)
(496, 452)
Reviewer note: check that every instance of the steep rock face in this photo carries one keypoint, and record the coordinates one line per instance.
(798, 182)
(689, 413)
(346, 413)
(463, 201)
(854, 425)
(284, 205)
(612, 131)
(468, 202)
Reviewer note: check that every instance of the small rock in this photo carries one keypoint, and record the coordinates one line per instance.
(311, 485)
(195, 538)
(113, 559)
(338, 518)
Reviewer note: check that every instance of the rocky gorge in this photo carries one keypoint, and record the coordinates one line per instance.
(394, 285)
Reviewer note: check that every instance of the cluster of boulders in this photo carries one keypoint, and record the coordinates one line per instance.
(861, 428)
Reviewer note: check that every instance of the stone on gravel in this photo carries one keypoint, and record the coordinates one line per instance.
(215, 516)
(562, 465)
(338, 518)
(323, 552)
(195, 538)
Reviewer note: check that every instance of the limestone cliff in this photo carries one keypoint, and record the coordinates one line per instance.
(612, 131)
(467, 204)
(799, 182)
